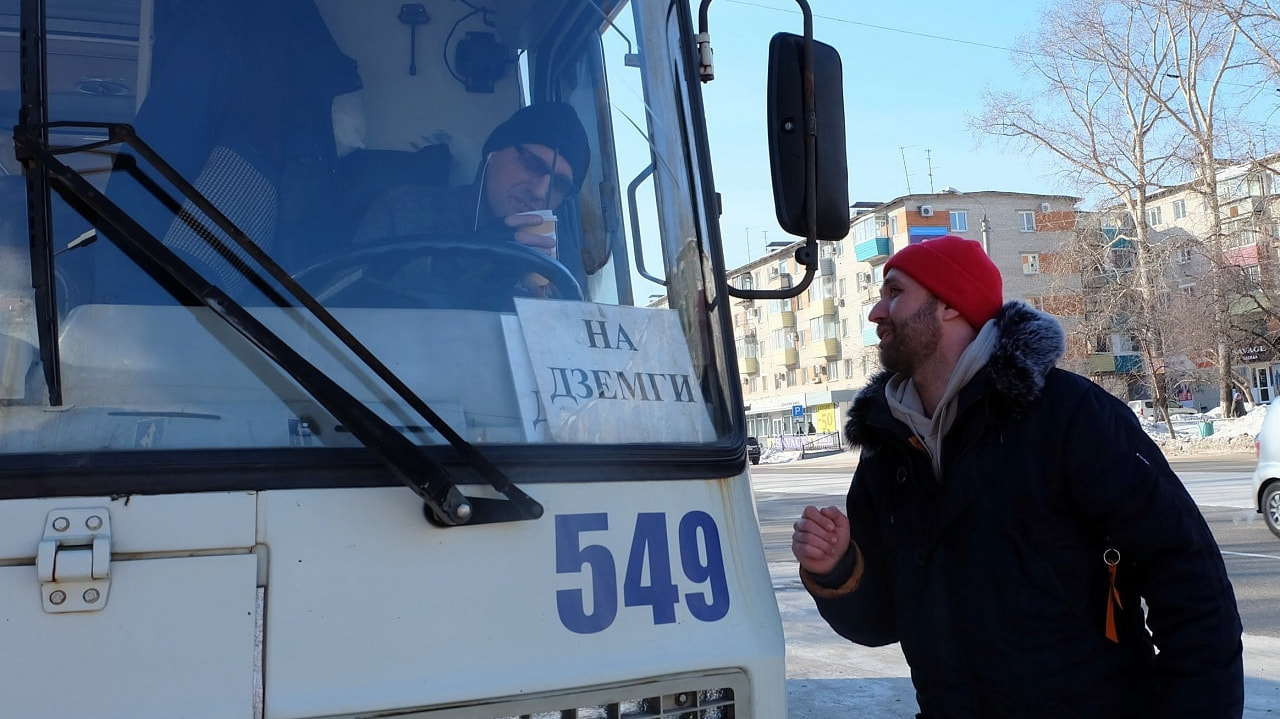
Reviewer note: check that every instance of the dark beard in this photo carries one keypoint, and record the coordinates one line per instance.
(913, 340)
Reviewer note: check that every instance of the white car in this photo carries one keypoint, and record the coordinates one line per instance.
(1146, 409)
(1266, 476)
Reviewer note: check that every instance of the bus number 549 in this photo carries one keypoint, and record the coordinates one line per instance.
(648, 579)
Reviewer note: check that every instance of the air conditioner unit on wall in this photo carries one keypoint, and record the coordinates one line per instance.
(926, 210)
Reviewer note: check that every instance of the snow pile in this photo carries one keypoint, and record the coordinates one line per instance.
(1230, 434)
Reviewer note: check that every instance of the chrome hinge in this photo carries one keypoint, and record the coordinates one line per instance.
(74, 560)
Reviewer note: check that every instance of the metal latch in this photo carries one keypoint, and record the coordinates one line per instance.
(74, 560)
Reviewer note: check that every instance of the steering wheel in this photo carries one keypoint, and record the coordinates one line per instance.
(471, 270)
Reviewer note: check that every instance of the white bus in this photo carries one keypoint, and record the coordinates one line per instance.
(296, 421)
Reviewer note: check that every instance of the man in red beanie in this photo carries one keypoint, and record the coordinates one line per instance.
(1008, 521)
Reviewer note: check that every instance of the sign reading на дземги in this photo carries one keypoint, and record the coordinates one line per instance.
(609, 373)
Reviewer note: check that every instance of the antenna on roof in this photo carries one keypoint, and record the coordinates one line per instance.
(906, 174)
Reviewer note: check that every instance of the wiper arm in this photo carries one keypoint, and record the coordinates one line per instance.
(426, 477)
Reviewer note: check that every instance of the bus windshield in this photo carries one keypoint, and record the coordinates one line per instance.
(450, 183)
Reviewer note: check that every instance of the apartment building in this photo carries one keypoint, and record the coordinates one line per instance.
(1178, 221)
(803, 360)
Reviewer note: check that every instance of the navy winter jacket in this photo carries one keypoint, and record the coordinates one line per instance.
(992, 575)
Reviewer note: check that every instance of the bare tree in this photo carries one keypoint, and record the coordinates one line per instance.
(1202, 43)
(1258, 22)
(1093, 111)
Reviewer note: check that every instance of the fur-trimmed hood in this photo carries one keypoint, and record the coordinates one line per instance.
(1030, 343)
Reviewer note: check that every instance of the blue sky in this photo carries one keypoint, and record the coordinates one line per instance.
(913, 74)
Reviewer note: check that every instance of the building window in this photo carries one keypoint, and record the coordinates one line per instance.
(1155, 216)
(893, 225)
(791, 378)
(848, 368)
(1179, 209)
(844, 328)
(1242, 238)
(1031, 263)
(1182, 256)
(882, 226)
(1027, 221)
(833, 371)
(959, 221)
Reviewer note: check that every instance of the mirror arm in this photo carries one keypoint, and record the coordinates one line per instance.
(780, 294)
(806, 255)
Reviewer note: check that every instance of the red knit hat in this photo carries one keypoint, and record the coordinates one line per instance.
(957, 272)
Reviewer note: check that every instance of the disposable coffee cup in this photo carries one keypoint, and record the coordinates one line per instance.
(548, 226)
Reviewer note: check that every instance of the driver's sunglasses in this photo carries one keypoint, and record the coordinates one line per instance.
(561, 185)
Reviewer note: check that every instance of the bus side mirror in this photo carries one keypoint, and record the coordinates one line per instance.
(787, 131)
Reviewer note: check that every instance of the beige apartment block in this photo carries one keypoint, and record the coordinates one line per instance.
(803, 360)
(1178, 222)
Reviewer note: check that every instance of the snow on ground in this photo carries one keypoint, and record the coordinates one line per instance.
(1230, 435)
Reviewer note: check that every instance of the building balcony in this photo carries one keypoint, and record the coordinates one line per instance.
(827, 349)
(827, 306)
(787, 318)
(1105, 362)
(750, 365)
(872, 250)
(790, 356)
(1100, 363)
(827, 267)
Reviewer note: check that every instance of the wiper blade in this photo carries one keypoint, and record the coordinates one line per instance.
(445, 503)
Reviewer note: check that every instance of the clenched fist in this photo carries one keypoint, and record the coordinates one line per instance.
(820, 538)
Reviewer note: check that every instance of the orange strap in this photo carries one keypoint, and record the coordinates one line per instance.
(1112, 558)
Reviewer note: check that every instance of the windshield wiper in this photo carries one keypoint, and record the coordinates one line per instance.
(445, 503)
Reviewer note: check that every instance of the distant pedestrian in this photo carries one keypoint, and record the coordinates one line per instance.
(1009, 522)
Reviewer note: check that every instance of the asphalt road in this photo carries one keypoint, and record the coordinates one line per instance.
(1220, 485)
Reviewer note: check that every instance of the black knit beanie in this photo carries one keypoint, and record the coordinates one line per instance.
(553, 124)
